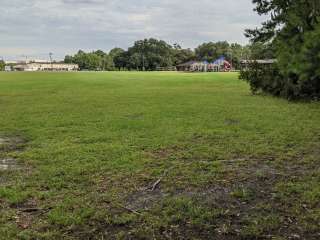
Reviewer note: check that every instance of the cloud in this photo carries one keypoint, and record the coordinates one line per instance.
(64, 26)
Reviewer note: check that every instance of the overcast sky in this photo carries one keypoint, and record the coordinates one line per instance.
(37, 27)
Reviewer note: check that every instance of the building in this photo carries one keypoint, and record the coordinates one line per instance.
(44, 66)
(264, 62)
(7, 68)
(261, 61)
(191, 66)
(219, 65)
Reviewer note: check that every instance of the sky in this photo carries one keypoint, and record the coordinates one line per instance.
(34, 28)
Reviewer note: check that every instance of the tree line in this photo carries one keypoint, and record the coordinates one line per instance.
(293, 33)
(153, 54)
(2, 65)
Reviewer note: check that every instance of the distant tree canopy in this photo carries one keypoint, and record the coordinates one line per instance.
(180, 55)
(2, 65)
(97, 60)
(149, 54)
(233, 53)
(211, 51)
(258, 50)
(152, 54)
(293, 33)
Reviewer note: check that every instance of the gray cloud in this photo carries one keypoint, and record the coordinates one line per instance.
(36, 27)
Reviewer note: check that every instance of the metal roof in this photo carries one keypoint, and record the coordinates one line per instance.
(260, 61)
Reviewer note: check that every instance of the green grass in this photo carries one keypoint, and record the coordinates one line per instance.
(232, 165)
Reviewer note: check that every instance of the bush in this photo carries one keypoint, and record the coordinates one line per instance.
(263, 78)
(292, 86)
(293, 31)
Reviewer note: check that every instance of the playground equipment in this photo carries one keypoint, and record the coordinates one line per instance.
(219, 65)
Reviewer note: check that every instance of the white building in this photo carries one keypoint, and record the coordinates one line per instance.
(7, 68)
(45, 66)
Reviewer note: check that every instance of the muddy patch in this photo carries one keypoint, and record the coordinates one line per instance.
(165, 153)
(10, 144)
(27, 212)
(3, 141)
(9, 164)
(143, 200)
(231, 122)
(136, 116)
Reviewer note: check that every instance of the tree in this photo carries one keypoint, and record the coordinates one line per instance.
(107, 63)
(100, 53)
(68, 59)
(121, 60)
(309, 71)
(180, 55)
(235, 55)
(260, 50)
(2, 65)
(89, 61)
(148, 54)
(211, 51)
(116, 54)
(293, 32)
(93, 61)
(152, 54)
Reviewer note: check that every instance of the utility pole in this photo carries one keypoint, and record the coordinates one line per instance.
(50, 56)
(142, 52)
(26, 57)
(143, 67)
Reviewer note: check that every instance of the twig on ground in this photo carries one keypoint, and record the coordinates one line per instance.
(39, 211)
(128, 209)
(28, 210)
(122, 206)
(155, 185)
(234, 160)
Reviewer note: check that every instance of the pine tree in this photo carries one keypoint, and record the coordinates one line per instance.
(294, 32)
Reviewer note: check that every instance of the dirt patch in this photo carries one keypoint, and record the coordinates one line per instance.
(231, 122)
(23, 220)
(164, 153)
(136, 116)
(143, 200)
(3, 141)
(27, 212)
(9, 164)
(245, 195)
(10, 144)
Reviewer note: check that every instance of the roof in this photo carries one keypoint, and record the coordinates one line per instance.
(218, 61)
(187, 64)
(20, 66)
(260, 61)
(46, 63)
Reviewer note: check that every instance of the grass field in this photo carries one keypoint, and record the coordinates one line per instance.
(155, 156)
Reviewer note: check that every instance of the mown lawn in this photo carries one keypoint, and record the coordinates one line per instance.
(155, 156)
